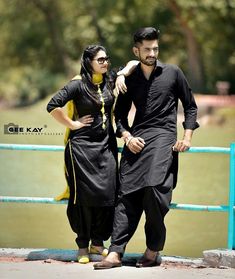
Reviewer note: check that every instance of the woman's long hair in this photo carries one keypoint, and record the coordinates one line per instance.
(86, 71)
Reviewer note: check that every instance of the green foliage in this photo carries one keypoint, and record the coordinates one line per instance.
(48, 37)
(23, 86)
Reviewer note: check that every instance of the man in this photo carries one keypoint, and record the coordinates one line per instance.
(149, 163)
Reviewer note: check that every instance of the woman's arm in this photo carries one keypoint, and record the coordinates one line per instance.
(120, 85)
(128, 69)
(62, 118)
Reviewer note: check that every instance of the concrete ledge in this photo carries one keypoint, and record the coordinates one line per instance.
(71, 255)
(211, 258)
(43, 254)
(220, 258)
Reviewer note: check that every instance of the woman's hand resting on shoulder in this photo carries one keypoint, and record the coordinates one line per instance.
(120, 85)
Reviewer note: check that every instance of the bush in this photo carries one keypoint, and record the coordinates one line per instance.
(26, 85)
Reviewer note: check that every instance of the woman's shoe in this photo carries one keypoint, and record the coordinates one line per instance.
(84, 259)
(103, 252)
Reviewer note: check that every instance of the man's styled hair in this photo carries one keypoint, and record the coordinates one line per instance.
(146, 33)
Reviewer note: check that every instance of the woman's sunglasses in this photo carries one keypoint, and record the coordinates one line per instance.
(101, 60)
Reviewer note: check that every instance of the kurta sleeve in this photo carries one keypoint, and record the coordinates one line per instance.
(64, 95)
(122, 108)
(113, 76)
(186, 96)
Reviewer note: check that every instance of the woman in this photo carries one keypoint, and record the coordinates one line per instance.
(90, 152)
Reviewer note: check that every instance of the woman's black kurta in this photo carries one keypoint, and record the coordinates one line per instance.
(91, 152)
(156, 102)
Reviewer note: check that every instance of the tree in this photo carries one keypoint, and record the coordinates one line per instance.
(42, 40)
(195, 65)
(53, 19)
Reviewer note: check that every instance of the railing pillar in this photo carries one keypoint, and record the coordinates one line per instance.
(231, 221)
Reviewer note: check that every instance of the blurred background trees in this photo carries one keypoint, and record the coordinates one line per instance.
(42, 40)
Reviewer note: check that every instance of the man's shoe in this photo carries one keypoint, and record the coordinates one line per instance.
(106, 265)
(144, 262)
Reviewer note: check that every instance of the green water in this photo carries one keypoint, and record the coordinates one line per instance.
(203, 179)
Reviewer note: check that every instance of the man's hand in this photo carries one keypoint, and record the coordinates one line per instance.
(185, 143)
(135, 145)
(120, 85)
(182, 145)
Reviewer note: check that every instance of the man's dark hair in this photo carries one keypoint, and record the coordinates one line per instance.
(146, 33)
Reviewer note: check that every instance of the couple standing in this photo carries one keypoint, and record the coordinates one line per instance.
(149, 162)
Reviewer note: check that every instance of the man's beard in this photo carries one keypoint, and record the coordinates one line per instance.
(149, 62)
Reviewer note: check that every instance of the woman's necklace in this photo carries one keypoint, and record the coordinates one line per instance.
(97, 79)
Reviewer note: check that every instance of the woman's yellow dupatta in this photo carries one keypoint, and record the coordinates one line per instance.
(72, 114)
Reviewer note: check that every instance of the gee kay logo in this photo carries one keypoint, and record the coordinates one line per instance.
(14, 129)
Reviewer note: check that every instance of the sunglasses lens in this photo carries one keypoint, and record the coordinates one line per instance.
(101, 60)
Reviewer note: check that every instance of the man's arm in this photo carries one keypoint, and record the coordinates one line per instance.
(190, 113)
(121, 111)
(187, 99)
(122, 108)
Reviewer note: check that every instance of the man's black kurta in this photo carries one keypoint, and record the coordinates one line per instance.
(156, 102)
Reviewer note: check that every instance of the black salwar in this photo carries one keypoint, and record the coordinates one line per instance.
(90, 223)
(154, 201)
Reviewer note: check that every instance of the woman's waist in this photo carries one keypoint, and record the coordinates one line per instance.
(93, 132)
